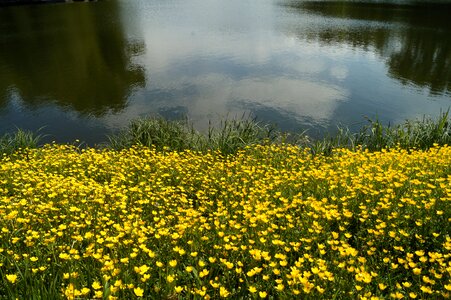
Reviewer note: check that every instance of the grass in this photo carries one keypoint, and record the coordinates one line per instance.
(228, 136)
(412, 134)
(231, 135)
(158, 133)
(21, 139)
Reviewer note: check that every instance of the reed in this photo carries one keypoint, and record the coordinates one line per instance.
(234, 134)
(374, 136)
(21, 139)
(230, 135)
(158, 133)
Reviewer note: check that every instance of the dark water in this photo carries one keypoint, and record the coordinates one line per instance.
(84, 70)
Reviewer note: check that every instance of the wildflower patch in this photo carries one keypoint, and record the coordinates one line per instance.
(268, 222)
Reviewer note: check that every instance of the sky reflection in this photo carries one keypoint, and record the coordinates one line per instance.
(300, 65)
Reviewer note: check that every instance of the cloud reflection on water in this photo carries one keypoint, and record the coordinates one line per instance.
(296, 67)
(212, 66)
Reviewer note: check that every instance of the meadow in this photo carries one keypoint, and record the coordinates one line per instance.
(268, 221)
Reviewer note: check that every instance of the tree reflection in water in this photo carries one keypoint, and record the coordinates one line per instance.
(77, 58)
(414, 38)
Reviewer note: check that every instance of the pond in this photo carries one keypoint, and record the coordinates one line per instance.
(84, 70)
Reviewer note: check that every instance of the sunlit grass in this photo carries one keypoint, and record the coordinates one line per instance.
(270, 221)
(228, 136)
(375, 136)
(20, 139)
(231, 135)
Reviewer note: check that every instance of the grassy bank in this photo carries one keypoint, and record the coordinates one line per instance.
(268, 222)
(21, 139)
(231, 135)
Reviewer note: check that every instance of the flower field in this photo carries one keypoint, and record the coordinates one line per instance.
(268, 222)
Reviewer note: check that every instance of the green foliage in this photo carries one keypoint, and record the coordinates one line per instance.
(231, 135)
(20, 139)
(158, 133)
(235, 134)
(418, 134)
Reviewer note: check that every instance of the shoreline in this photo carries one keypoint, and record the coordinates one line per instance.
(231, 135)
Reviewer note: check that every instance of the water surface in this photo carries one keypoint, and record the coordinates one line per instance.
(84, 70)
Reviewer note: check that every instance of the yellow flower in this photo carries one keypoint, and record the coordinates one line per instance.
(118, 283)
(139, 292)
(159, 264)
(223, 292)
(142, 269)
(178, 289)
(85, 291)
(419, 252)
(426, 289)
(203, 273)
(11, 278)
(173, 263)
(98, 294)
(417, 271)
(397, 295)
(64, 256)
(252, 289)
(406, 284)
(96, 285)
(124, 260)
(262, 294)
